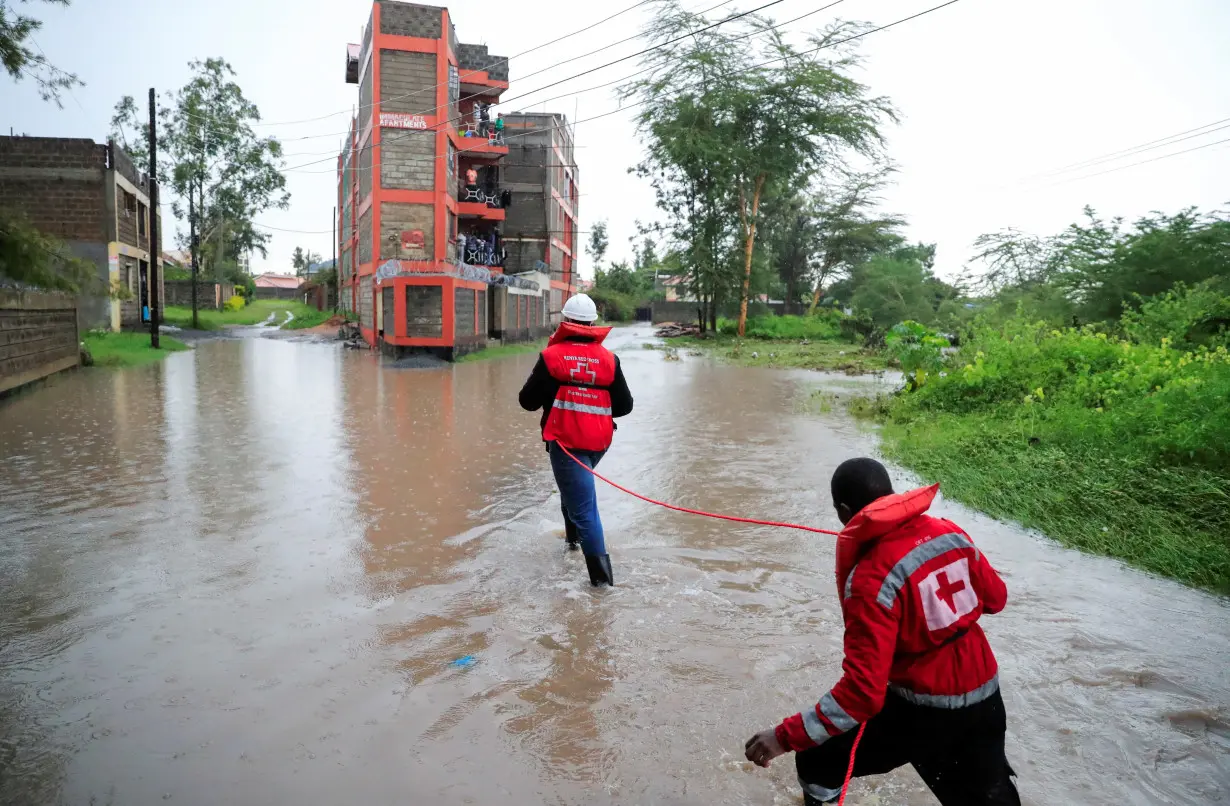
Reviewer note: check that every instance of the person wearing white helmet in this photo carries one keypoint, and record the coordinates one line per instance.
(580, 387)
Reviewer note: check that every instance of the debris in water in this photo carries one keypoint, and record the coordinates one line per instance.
(464, 662)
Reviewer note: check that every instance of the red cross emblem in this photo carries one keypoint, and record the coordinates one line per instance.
(582, 368)
(947, 590)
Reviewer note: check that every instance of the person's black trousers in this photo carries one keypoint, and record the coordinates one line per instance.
(959, 753)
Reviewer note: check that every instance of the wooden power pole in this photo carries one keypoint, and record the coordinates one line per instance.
(155, 247)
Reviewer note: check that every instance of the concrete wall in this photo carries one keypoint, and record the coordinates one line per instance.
(476, 57)
(57, 183)
(209, 295)
(424, 311)
(408, 159)
(277, 293)
(407, 81)
(38, 337)
(398, 217)
(687, 311)
(365, 174)
(411, 19)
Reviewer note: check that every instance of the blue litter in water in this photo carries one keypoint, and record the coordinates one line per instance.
(462, 663)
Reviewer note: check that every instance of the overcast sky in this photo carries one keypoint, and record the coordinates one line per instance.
(992, 92)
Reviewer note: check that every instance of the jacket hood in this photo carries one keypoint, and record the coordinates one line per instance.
(878, 519)
(571, 330)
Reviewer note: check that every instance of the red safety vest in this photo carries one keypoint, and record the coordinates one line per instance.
(580, 417)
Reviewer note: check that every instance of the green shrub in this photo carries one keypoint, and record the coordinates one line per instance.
(1187, 315)
(235, 303)
(918, 349)
(824, 325)
(613, 306)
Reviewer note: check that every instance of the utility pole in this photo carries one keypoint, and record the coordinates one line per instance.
(192, 244)
(337, 274)
(155, 246)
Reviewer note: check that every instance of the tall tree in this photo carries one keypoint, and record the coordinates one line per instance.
(598, 244)
(302, 260)
(21, 61)
(221, 172)
(732, 110)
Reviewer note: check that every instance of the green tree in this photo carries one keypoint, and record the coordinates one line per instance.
(598, 244)
(899, 285)
(221, 173)
(732, 111)
(29, 257)
(16, 38)
(302, 260)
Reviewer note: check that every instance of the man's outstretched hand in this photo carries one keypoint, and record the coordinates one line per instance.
(763, 748)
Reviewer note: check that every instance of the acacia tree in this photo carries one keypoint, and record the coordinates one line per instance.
(16, 36)
(848, 233)
(221, 172)
(731, 110)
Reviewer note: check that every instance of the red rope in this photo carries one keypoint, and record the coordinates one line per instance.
(649, 500)
(854, 748)
(850, 769)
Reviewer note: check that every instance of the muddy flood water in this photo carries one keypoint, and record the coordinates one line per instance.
(271, 572)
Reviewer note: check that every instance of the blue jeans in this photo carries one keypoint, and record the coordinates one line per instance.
(580, 498)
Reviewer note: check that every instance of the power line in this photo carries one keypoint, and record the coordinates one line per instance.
(1144, 162)
(445, 123)
(1159, 143)
(638, 103)
(487, 69)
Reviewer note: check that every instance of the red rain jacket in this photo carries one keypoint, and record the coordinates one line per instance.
(912, 588)
(581, 416)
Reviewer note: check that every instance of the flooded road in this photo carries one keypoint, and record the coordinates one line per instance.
(268, 572)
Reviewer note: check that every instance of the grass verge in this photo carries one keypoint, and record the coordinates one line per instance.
(258, 311)
(129, 349)
(503, 351)
(832, 356)
(1172, 521)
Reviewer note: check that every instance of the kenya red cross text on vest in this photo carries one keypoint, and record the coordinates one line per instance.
(580, 417)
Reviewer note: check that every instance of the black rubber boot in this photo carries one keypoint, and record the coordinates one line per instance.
(600, 570)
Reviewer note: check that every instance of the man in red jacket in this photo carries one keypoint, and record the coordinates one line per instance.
(918, 669)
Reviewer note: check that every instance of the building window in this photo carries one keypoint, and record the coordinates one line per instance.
(141, 222)
(129, 202)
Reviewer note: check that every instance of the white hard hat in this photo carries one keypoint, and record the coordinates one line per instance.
(580, 308)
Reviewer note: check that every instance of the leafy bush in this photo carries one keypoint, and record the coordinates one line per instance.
(613, 306)
(824, 325)
(235, 303)
(1187, 316)
(918, 349)
(1085, 387)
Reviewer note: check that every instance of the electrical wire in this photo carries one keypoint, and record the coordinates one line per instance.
(1142, 162)
(1149, 146)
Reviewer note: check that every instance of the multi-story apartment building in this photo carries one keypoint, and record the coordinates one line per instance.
(421, 203)
(93, 198)
(541, 174)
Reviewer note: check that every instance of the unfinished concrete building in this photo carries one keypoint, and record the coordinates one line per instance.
(541, 227)
(92, 197)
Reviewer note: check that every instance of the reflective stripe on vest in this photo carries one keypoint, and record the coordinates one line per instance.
(911, 562)
(583, 408)
(948, 701)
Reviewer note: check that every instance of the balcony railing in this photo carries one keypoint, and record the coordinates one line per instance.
(491, 195)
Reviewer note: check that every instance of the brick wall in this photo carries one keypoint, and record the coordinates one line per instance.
(522, 255)
(463, 313)
(123, 165)
(396, 218)
(407, 82)
(38, 336)
(179, 292)
(410, 19)
(407, 159)
(424, 311)
(476, 57)
(365, 237)
(365, 100)
(57, 184)
(366, 313)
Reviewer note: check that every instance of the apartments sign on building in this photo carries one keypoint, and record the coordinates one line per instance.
(402, 120)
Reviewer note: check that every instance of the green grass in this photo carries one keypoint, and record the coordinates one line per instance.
(838, 356)
(254, 314)
(503, 351)
(129, 349)
(1173, 521)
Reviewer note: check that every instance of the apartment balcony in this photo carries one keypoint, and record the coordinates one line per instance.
(474, 201)
(470, 144)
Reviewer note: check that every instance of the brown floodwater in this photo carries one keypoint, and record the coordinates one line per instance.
(247, 576)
